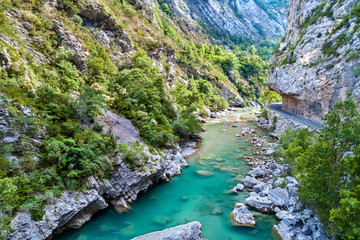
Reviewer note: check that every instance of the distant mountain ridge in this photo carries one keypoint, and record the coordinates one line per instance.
(252, 19)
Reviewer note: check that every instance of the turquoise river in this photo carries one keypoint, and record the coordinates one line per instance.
(190, 196)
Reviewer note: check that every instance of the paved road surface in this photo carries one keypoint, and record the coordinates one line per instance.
(303, 120)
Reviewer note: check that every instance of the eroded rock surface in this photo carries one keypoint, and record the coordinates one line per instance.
(236, 17)
(242, 216)
(317, 63)
(189, 231)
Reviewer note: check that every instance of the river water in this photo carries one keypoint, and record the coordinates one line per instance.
(191, 196)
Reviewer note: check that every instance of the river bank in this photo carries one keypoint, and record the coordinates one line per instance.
(120, 188)
(192, 196)
(274, 190)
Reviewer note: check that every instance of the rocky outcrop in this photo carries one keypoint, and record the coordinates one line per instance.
(251, 19)
(105, 27)
(79, 55)
(73, 209)
(120, 128)
(260, 203)
(60, 212)
(273, 193)
(242, 216)
(189, 231)
(317, 63)
(5, 60)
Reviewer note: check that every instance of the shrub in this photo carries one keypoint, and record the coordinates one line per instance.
(327, 67)
(264, 114)
(274, 120)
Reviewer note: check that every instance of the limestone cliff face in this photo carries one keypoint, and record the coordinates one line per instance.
(248, 18)
(317, 63)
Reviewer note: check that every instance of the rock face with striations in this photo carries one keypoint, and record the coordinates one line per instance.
(317, 63)
(189, 231)
(248, 18)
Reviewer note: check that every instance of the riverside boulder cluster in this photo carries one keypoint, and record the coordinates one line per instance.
(273, 190)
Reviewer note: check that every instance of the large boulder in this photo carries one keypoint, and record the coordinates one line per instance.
(242, 216)
(285, 230)
(279, 182)
(284, 214)
(189, 231)
(279, 197)
(260, 203)
(259, 187)
(251, 181)
(291, 180)
(256, 172)
(238, 187)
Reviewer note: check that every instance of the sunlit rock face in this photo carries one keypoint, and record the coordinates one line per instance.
(317, 63)
(247, 18)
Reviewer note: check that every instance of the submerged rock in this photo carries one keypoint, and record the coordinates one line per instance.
(242, 216)
(205, 173)
(189, 231)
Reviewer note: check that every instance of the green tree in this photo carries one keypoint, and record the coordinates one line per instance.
(269, 96)
(328, 172)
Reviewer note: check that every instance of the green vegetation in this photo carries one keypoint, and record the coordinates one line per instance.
(165, 8)
(330, 48)
(327, 165)
(61, 143)
(66, 156)
(318, 12)
(264, 114)
(269, 96)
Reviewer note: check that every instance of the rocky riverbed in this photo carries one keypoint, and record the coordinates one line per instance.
(274, 190)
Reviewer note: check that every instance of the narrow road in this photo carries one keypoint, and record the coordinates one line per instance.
(300, 119)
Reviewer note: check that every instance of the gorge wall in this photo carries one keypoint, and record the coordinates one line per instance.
(317, 63)
(251, 19)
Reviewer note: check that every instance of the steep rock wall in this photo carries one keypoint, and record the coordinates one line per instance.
(251, 19)
(317, 63)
